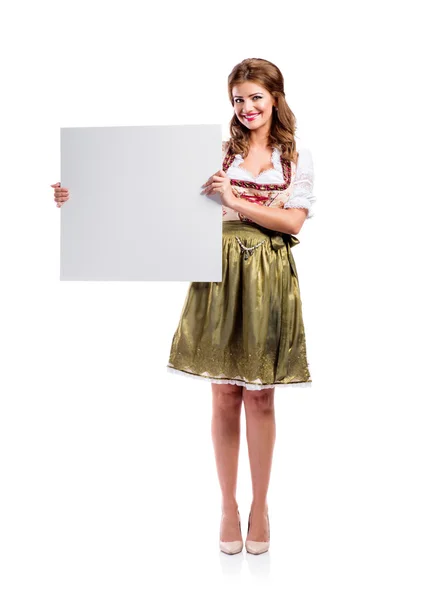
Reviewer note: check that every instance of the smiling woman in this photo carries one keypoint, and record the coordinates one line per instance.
(262, 172)
(245, 335)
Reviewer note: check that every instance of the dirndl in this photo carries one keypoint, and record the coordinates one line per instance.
(247, 329)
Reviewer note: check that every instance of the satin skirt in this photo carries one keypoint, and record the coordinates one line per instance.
(247, 329)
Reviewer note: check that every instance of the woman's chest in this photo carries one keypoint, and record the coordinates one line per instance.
(272, 187)
(257, 163)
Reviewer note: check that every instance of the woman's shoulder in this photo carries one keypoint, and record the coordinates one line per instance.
(305, 158)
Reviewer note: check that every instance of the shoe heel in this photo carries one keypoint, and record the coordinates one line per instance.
(234, 547)
(257, 547)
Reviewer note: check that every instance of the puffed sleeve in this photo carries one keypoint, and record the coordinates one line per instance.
(302, 194)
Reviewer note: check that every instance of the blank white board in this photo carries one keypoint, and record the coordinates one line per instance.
(135, 210)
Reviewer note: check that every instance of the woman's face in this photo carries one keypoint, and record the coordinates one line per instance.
(252, 99)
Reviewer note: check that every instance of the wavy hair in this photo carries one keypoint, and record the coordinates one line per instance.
(283, 126)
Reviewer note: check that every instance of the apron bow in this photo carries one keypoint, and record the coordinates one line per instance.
(285, 241)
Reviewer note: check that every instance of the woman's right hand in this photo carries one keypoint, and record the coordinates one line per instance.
(60, 194)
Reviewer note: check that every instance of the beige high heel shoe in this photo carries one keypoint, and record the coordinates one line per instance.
(232, 547)
(257, 547)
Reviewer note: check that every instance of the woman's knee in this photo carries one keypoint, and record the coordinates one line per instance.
(226, 395)
(259, 400)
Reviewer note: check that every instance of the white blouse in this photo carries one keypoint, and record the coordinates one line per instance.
(302, 194)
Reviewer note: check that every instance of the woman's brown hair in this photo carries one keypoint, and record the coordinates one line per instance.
(283, 126)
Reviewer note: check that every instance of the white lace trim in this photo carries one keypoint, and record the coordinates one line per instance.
(248, 386)
(276, 161)
(301, 201)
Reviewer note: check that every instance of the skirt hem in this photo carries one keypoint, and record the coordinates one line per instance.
(241, 382)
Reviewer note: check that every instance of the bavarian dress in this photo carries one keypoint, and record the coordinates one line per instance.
(247, 329)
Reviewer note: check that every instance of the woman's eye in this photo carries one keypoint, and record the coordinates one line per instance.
(259, 97)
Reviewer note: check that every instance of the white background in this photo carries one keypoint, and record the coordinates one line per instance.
(107, 474)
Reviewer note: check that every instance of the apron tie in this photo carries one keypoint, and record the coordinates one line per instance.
(279, 241)
(285, 241)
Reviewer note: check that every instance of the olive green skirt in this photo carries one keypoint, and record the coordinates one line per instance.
(247, 329)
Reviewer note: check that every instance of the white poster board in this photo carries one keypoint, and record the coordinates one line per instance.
(135, 210)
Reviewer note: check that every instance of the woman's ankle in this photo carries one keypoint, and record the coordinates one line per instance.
(229, 506)
(259, 507)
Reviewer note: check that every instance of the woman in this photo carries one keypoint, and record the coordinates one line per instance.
(245, 334)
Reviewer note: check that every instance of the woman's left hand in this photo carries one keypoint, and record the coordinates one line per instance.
(221, 184)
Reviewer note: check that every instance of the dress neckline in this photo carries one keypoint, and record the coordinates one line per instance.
(275, 158)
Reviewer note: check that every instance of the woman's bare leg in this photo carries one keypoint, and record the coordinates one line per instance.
(225, 428)
(261, 435)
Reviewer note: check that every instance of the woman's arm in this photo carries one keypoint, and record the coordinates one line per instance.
(284, 220)
(295, 211)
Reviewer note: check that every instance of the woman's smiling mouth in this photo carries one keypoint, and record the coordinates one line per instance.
(250, 117)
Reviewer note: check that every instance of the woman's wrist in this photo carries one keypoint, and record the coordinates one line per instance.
(236, 203)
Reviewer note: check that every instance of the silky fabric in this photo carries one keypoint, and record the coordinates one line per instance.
(248, 328)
